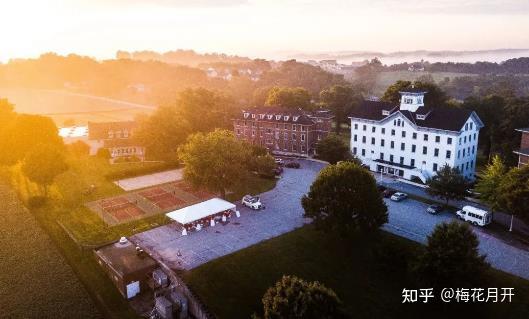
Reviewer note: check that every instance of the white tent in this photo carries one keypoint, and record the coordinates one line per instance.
(201, 210)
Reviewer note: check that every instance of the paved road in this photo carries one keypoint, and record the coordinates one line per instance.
(499, 218)
(409, 219)
(283, 214)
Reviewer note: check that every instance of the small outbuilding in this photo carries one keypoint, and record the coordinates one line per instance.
(127, 265)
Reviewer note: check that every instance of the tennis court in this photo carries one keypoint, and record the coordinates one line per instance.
(119, 209)
(163, 199)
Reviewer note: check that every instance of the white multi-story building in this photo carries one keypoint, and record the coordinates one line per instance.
(413, 141)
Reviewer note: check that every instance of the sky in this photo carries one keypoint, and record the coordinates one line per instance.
(259, 28)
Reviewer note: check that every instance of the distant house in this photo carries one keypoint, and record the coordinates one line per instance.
(416, 67)
(116, 137)
(283, 131)
(523, 152)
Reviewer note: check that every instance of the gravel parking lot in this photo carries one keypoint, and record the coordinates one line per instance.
(283, 213)
(409, 219)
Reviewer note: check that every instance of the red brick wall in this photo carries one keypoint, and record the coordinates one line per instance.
(524, 160)
(525, 141)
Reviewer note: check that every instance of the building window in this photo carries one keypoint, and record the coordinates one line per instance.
(302, 137)
(293, 136)
(363, 152)
(449, 140)
(471, 124)
(401, 160)
(373, 129)
(465, 139)
(383, 130)
(392, 144)
(466, 126)
(403, 133)
(238, 132)
(294, 149)
(381, 156)
(356, 126)
(398, 122)
(382, 142)
(412, 162)
(402, 146)
(393, 132)
(364, 127)
(467, 165)
(355, 137)
(464, 152)
(414, 136)
(373, 141)
(473, 149)
(391, 158)
(354, 150)
(302, 149)
(436, 152)
(460, 141)
(458, 154)
(413, 148)
(424, 150)
(294, 127)
(437, 139)
(426, 137)
(448, 154)
(474, 136)
(363, 139)
(435, 167)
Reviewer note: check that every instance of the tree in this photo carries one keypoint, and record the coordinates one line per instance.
(333, 149)
(451, 258)
(43, 164)
(434, 97)
(216, 161)
(367, 74)
(344, 197)
(264, 165)
(341, 99)
(448, 184)
(79, 148)
(489, 185)
(292, 297)
(514, 190)
(289, 97)
(25, 132)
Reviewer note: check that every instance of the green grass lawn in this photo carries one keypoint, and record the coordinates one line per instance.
(368, 276)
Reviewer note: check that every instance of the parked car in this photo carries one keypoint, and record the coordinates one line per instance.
(278, 170)
(434, 209)
(397, 197)
(254, 202)
(293, 165)
(474, 215)
(387, 193)
(381, 188)
(279, 161)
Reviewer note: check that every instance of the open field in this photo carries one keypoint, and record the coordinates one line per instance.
(35, 281)
(368, 276)
(62, 106)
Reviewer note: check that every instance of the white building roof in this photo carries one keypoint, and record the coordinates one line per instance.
(201, 210)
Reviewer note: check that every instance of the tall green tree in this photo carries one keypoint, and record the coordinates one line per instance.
(344, 198)
(216, 161)
(448, 184)
(24, 133)
(289, 97)
(292, 297)
(341, 99)
(43, 164)
(333, 149)
(514, 190)
(489, 185)
(451, 258)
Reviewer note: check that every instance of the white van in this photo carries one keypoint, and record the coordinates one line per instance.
(474, 215)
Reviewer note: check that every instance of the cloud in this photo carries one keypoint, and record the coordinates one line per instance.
(454, 6)
(178, 3)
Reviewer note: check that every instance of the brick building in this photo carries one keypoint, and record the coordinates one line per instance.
(283, 131)
(523, 152)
